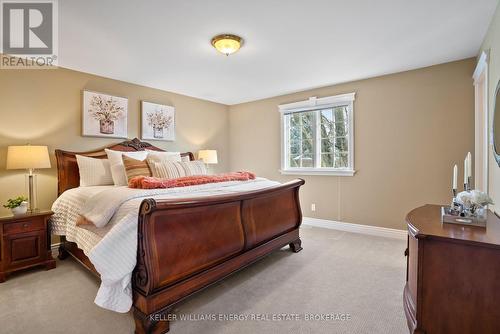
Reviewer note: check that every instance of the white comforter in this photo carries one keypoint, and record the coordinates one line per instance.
(111, 245)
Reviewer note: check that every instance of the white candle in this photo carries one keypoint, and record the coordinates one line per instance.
(465, 171)
(469, 165)
(455, 175)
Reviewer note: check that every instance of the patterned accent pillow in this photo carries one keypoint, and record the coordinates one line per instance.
(135, 167)
(173, 169)
(156, 156)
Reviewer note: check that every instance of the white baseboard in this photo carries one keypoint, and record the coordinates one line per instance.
(356, 228)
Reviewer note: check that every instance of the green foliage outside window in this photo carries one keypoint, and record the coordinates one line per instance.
(334, 140)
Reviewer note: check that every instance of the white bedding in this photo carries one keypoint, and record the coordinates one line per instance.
(112, 246)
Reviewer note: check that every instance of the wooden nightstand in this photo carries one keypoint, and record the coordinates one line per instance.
(25, 242)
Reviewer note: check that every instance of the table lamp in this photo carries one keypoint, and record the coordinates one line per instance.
(30, 158)
(209, 157)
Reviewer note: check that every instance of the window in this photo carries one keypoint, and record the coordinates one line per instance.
(317, 136)
(480, 77)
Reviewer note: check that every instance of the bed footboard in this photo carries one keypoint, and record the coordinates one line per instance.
(185, 246)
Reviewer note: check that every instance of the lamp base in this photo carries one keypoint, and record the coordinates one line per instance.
(31, 184)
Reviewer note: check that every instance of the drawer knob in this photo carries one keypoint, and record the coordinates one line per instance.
(26, 225)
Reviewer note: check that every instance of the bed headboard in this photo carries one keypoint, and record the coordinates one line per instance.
(67, 169)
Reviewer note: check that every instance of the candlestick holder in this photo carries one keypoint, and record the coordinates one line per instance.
(455, 207)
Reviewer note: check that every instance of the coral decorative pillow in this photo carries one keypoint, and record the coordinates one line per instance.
(145, 182)
(135, 168)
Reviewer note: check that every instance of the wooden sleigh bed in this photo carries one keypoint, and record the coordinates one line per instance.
(249, 226)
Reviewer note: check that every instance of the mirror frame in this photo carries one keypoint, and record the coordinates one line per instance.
(496, 150)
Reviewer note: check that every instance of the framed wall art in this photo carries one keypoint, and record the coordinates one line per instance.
(104, 115)
(158, 121)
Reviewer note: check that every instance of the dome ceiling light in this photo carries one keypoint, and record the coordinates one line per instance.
(227, 43)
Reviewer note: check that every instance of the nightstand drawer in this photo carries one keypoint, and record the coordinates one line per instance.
(24, 226)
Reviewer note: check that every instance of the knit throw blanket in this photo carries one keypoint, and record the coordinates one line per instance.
(147, 182)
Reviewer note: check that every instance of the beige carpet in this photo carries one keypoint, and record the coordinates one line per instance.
(336, 274)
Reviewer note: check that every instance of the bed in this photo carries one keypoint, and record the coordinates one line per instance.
(186, 242)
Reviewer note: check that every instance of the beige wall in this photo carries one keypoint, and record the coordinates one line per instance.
(44, 107)
(492, 43)
(410, 129)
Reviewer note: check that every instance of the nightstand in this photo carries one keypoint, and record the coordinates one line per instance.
(25, 243)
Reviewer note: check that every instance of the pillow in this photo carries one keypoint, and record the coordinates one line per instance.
(116, 164)
(135, 168)
(94, 172)
(173, 170)
(158, 156)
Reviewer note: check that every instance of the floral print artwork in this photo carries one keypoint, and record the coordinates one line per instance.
(104, 115)
(158, 122)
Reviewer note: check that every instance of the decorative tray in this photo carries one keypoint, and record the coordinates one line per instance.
(448, 217)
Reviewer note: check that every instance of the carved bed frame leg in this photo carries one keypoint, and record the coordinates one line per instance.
(154, 323)
(295, 245)
(63, 253)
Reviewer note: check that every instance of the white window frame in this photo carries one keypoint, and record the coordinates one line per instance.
(314, 103)
(481, 115)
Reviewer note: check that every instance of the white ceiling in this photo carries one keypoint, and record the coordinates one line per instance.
(290, 45)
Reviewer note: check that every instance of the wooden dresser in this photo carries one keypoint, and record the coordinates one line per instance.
(453, 275)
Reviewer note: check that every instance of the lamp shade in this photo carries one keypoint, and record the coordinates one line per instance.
(208, 156)
(28, 157)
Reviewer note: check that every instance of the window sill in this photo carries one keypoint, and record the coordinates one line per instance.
(318, 171)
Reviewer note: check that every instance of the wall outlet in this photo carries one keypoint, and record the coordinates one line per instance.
(313, 207)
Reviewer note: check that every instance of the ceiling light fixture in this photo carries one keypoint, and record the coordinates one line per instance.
(227, 44)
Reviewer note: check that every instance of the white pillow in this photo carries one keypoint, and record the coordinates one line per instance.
(116, 164)
(174, 169)
(94, 172)
(158, 156)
